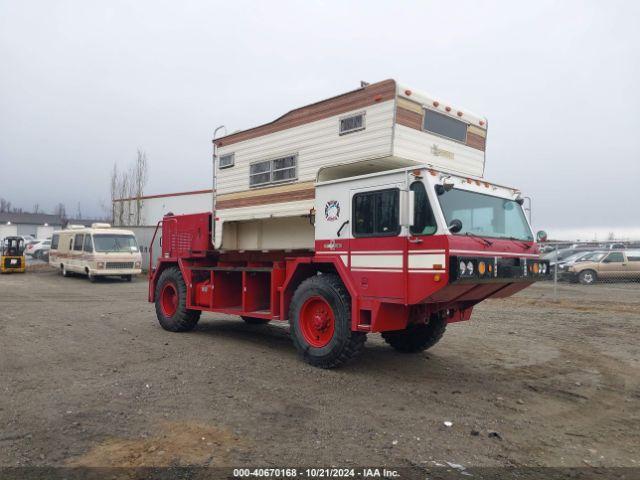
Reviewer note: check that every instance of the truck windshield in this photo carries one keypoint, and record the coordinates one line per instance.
(115, 243)
(485, 215)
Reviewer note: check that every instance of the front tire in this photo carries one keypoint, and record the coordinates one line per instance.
(64, 271)
(587, 277)
(320, 320)
(171, 303)
(417, 337)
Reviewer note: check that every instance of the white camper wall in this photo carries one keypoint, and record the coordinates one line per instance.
(425, 148)
(317, 144)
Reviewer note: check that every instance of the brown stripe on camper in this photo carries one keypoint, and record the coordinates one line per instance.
(363, 97)
(409, 118)
(267, 196)
(475, 141)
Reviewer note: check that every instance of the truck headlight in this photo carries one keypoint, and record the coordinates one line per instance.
(100, 265)
(463, 267)
(470, 267)
(137, 264)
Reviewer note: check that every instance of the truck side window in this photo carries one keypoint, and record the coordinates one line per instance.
(424, 222)
(376, 214)
(54, 242)
(87, 244)
(77, 242)
(615, 257)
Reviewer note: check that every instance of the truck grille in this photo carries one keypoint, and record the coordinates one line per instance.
(119, 265)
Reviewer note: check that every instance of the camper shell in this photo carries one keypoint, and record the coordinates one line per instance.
(264, 176)
(96, 251)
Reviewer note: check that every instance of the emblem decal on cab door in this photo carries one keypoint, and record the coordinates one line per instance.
(332, 210)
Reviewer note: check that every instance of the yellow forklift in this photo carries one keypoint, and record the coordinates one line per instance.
(12, 258)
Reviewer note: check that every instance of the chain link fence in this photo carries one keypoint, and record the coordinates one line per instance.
(589, 265)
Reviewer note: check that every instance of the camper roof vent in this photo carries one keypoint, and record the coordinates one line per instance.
(100, 225)
(74, 227)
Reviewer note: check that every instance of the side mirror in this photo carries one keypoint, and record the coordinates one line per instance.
(541, 236)
(407, 202)
(455, 226)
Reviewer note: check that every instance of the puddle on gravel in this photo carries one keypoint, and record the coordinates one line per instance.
(176, 444)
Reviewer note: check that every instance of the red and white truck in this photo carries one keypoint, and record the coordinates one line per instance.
(363, 213)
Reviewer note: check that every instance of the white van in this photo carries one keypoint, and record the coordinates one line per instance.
(96, 252)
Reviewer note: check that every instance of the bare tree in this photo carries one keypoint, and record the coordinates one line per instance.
(114, 192)
(140, 178)
(127, 190)
(5, 205)
(123, 192)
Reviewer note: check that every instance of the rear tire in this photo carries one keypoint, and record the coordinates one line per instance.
(126, 278)
(171, 303)
(587, 277)
(320, 320)
(417, 337)
(254, 320)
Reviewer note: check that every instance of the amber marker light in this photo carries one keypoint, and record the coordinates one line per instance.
(482, 268)
(435, 104)
(460, 114)
(448, 109)
(407, 93)
(436, 278)
(377, 98)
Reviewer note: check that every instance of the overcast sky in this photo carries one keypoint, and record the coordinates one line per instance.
(84, 84)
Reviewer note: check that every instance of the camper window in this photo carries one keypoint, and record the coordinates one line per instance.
(352, 123)
(376, 214)
(54, 241)
(77, 242)
(87, 244)
(273, 171)
(227, 161)
(445, 126)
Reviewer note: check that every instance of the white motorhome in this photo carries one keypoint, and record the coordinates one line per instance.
(96, 251)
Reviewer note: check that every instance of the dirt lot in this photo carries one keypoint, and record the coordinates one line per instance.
(88, 377)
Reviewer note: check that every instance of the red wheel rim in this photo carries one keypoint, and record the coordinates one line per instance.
(317, 322)
(169, 300)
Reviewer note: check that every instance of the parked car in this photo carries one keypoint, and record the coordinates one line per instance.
(40, 249)
(575, 258)
(616, 265)
(558, 256)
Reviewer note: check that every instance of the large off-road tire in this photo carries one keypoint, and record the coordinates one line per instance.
(587, 277)
(320, 319)
(417, 337)
(254, 320)
(171, 303)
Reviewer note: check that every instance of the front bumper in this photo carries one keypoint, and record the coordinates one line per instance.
(115, 272)
(497, 270)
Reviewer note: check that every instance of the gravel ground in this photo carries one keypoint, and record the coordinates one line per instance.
(89, 378)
